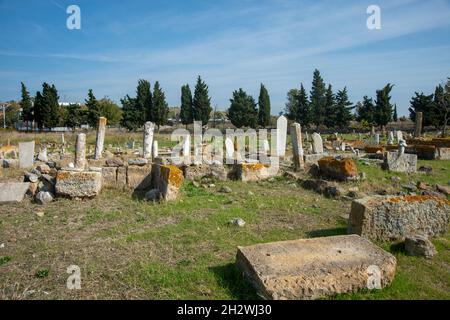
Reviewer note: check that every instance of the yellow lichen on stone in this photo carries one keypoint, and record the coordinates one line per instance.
(172, 174)
(253, 166)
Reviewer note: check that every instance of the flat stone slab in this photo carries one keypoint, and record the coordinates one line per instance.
(315, 268)
(13, 191)
(75, 184)
(400, 162)
(388, 218)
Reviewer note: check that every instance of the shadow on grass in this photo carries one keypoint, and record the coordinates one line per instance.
(398, 247)
(327, 232)
(229, 277)
(138, 194)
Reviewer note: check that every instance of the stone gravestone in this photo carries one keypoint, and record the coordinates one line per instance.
(282, 123)
(377, 138)
(391, 138)
(80, 151)
(317, 143)
(155, 152)
(418, 128)
(187, 148)
(399, 135)
(398, 162)
(100, 141)
(149, 127)
(297, 146)
(42, 155)
(26, 154)
(13, 191)
(229, 148)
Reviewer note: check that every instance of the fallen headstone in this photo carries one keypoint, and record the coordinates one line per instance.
(13, 191)
(388, 218)
(315, 268)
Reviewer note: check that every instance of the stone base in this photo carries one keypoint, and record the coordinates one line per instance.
(75, 184)
(388, 218)
(253, 171)
(193, 172)
(396, 162)
(315, 268)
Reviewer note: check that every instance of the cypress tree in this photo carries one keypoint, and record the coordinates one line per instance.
(291, 108)
(303, 108)
(343, 109)
(93, 109)
(38, 101)
(186, 110)
(242, 111)
(421, 103)
(26, 105)
(144, 102)
(264, 107)
(395, 115)
(49, 108)
(130, 116)
(160, 111)
(318, 99)
(202, 102)
(330, 108)
(384, 108)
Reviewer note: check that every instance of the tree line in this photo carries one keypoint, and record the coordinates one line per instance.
(43, 110)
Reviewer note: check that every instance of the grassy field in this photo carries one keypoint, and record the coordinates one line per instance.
(131, 249)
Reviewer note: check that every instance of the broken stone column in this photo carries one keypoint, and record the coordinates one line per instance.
(149, 127)
(100, 138)
(418, 129)
(80, 151)
(297, 145)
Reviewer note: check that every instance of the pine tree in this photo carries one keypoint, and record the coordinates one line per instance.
(242, 111)
(422, 103)
(264, 107)
(130, 115)
(384, 108)
(93, 109)
(366, 111)
(144, 102)
(330, 108)
(73, 116)
(318, 99)
(26, 105)
(304, 116)
(160, 109)
(395, 115)
(343, 109)
(202, 102)
(186, 110)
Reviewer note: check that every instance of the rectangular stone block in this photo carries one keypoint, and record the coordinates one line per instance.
(168, 179)
(109, 177)
(389, 218)
(121, 177)
(26, 154)
(443, 153)
(315, 268)
(13, 191)
(197, 172)
(253, 171)
(76, 184)
(397, 162)
(139, 177)
(344, 169)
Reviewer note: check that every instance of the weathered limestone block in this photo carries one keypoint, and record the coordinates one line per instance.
(253, 171)
(315, 268)
(109, 177)
(443, 153)
(197, 172)
(168, 179)
(13, 191)
(387, 218)
(75, 184)
(420, 246)
(396, 162)
(344, 169)
(139, 177)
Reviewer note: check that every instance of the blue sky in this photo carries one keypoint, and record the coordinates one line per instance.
(231, 44)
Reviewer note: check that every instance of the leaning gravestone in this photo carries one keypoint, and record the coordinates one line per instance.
(315, 268)
(282, 123)
(26, 154)
(317, 143)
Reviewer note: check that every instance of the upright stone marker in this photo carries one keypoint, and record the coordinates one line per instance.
(297, 145)
(155, 152)
(419, 120)
(229, 148)
(187, 149)
(377, 138)
(101, 128)
(399, 134)
(282, 123)
(80, 151)
(26, 154)
(317, 143)
(149, 127)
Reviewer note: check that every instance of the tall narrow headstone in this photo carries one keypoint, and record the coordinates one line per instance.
(399, 134)
(419, 120)
(80, 151)
(377, 138)
(100, 141)
(282, 123)
(229, 148)
(187, 149)
(391, 138)
(155, 149)
(149, 127)
(63, 141)
(26, 154)
(317, 144)
(198, 142)
(297, 146)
